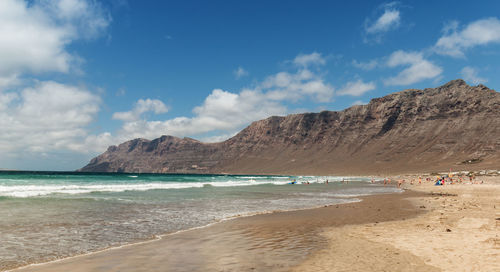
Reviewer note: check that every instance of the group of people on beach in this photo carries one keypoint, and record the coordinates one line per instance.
(440, 180)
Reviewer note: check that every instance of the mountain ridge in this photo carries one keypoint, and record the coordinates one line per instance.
(411, 130)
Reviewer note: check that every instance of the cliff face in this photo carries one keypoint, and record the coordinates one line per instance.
(166, 154)
(430, 129)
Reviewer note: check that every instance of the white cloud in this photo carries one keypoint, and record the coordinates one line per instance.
(45, 118)
(85, 18)
(34, 37)
(356, 88)
(450, 27)
(141, 106)
(389, 20)
(240, 72)
(9, 80)
(97, 143)
(481, 32)
(305, 60)
(418, 68)
(370, 65)
(470, 74)
(293, 87)
(49, 116)
(221, 111)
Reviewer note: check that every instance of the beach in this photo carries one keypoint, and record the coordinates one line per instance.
(426, 228)
(48, 216)
(267, 242)
(459, 231)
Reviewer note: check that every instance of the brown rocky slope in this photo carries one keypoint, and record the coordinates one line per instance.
(453, 126)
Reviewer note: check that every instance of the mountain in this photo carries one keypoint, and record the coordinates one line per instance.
(453, 126)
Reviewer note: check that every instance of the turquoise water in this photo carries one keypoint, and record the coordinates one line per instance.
(50, 215)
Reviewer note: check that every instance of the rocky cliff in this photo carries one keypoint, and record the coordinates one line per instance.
(453, 126)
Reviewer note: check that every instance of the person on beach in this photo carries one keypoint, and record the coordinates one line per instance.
(419, 180)
(399, 183)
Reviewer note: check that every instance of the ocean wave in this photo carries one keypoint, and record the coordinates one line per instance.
(41, 190)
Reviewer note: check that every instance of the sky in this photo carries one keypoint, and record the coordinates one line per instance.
(77, 76)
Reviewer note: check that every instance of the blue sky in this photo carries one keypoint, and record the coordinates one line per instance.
(79, 75)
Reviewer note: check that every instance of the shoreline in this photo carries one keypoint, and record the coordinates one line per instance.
(215, 229)
(164, 235)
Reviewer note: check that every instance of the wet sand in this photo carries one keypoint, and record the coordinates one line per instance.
(278, 241)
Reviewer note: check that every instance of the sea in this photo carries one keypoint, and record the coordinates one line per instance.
(51, 215)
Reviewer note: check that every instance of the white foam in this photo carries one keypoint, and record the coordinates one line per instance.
(31, 190)
(41, 190)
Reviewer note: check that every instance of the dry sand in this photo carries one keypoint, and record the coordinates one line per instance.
(459, 232)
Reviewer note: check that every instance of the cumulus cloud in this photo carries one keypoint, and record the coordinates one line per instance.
(295, 86)
(455, 42)
(221, 111)
(240, 72)
(417, 68)
(470, 74)
(47, 116)
(82, 18)
(141, 106)
(34, 37)
(8, 80)
(42, 118)
(356, 88)
(305, 60)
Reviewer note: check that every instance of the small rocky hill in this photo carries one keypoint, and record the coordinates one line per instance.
(453, 126)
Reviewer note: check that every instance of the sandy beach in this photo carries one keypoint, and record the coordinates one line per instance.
(459, 231)
(426, 228)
